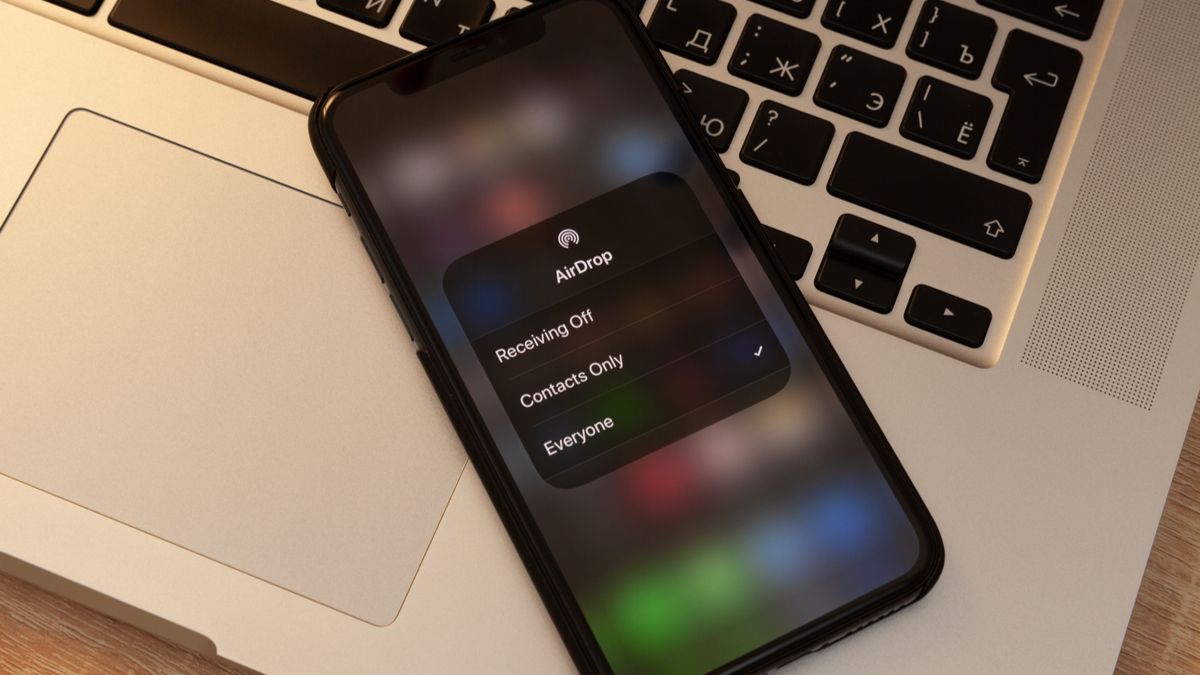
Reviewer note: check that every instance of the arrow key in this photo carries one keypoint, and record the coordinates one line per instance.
(793, 250)
(948, 316)
(888, 251)
(860, 285)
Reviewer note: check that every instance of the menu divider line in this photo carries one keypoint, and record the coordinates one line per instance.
(585, 289)
(648, 373)
(672, 420)
(614, 331)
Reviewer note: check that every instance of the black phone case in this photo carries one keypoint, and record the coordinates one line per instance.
(518, 521)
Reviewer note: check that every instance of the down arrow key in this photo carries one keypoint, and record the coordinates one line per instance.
(858, 284)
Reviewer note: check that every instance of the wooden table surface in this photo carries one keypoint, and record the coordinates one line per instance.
(42, 633)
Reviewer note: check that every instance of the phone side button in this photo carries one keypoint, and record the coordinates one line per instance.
(372, 257)
(403, 316)
(453, 406)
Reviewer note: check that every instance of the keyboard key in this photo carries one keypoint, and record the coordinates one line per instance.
(860, 86)
(931, 195)
(635, 5)
(787, 142)
(874, 21)
(433, 21)
(1038, 75)
(735, 177)
(718, 106)
(797, 8)
(265, 40)
(1076, 18)
(886, 251)
(946, 117)
(85, 7)
(794, 251)
(693, 28)
(774, 54)
(858, 284)
(952, 38)
(948, 316)
(374, 12)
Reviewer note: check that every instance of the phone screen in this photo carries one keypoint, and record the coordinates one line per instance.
(700, 485)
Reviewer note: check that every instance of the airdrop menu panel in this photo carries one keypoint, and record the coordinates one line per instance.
(615, 328)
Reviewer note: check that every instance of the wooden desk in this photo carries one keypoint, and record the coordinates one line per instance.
(40, 632)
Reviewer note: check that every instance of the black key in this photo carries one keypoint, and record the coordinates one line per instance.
(794, 251)
(787, 142)
(1038, 76)
(735, 177)
(635, 5)
(373, 12)
(1076, 18)
(860, 285)
(859, 85)
(946, 117)
(931, 195)
(718, 106)
(433, 21)
(948, 316)
(871, 245)
(952, 38)
(265, 40)
(774, 54)
(797, 8)
(85, 7)
(693, 28)
(874, 21)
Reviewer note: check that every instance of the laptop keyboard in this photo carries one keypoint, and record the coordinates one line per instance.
(801, 90)
(267, 41)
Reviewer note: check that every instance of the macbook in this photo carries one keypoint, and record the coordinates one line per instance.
(213, 425)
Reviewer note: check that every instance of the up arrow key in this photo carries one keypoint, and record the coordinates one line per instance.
(947, 312)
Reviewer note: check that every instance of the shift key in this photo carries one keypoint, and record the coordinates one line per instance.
(924, 192)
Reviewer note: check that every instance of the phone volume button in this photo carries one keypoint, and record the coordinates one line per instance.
(403, 317)
(373, 262)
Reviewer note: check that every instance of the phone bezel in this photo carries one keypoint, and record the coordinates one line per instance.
(556, 594)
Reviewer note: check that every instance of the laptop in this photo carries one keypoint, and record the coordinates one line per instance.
(213, 425)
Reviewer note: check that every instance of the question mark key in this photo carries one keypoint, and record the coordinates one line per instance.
(787, 142)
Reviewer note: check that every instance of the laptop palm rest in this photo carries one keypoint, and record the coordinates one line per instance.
(205, 354)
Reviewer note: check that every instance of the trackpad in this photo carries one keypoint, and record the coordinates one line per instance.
(207, 355)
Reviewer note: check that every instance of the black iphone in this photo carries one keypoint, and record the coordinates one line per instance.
(687, 470)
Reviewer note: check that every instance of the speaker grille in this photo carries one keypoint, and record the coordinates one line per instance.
(1123, 272)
